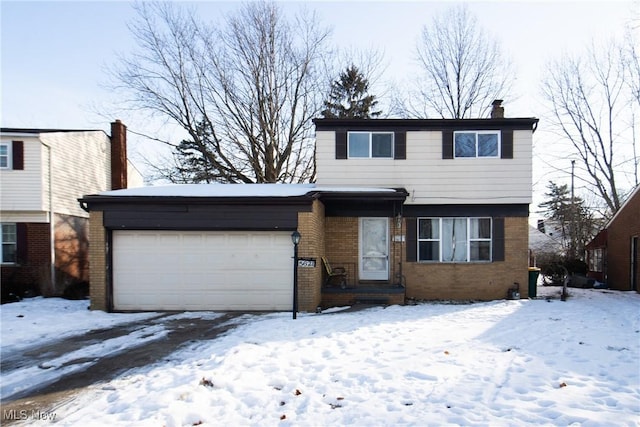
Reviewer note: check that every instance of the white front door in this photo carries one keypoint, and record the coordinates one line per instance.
(374, 249)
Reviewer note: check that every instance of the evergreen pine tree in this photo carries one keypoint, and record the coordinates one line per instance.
(349, 98)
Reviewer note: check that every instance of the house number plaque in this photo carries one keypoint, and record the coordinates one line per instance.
(306, 262)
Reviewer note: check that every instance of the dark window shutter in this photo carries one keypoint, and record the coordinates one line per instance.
(17, 152)
(341, 144)
(21, 243)
(498, 239)
(400, 145)
(507, 144)
(447, 144)
(412, 239)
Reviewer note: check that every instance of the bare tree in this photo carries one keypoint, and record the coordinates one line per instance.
(245, 90)
(463, 67)
(590, 108)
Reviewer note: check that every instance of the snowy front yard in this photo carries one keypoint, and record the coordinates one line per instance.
(527, 362)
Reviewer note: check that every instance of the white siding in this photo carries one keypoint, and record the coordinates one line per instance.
(428, 178)
(22, 190)
(80, 167)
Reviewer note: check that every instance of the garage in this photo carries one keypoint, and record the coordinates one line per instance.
(202, 270)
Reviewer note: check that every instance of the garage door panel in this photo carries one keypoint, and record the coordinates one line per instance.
(173, 270)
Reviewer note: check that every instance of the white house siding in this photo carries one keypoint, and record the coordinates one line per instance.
(428, 178)
(134, 177)
(21, 191)
(80, 167)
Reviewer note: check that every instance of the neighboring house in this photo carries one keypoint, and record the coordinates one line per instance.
(613, 256)
(542, 246)
(43, 230)
(410, 209)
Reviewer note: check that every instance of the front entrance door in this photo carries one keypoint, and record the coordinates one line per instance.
(374, 249)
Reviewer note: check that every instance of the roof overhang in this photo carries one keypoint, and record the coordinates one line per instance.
(523, 123)
(237, 194)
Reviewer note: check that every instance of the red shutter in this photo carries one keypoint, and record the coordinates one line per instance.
(17, 152)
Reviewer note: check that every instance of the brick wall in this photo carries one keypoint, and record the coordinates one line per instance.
(98, 262)
(33, 273)
(342, 246)
(474, 281)
(619, 233)
(311, 226)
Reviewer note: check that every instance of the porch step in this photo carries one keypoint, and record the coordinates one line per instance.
(372, 300)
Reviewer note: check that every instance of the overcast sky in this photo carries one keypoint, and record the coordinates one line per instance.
(54, 53)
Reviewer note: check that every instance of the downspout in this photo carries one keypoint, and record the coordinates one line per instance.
(52, 243)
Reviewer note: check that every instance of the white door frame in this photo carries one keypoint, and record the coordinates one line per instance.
(368, 260)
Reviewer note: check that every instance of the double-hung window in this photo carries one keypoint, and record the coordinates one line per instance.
(8, 240)
(477, 143)
(596, 259)
(5, 155)
(370, 145)
(454, 239)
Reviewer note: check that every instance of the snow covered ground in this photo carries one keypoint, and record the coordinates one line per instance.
(516, 363)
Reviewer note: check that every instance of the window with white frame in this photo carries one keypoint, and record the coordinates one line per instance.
(8, 241)
(476, 143)
(5, 155)
(454, 239)
(370, 145)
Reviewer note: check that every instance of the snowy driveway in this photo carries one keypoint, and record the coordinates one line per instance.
(39, 371)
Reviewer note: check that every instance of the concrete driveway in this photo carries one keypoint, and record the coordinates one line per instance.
(178, 332)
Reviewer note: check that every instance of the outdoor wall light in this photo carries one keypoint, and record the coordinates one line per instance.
(295, 237)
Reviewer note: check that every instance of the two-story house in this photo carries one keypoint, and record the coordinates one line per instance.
(405, 209)
(44, 232)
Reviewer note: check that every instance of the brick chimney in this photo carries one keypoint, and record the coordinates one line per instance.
(497, 112)
(118, 155)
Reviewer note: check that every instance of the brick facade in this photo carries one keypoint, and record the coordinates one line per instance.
(474, 281)
(98, 262)
(623, 228)
(434, 281)
(32, 273)
(311, 226)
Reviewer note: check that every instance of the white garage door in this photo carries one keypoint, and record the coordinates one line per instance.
(191, 270)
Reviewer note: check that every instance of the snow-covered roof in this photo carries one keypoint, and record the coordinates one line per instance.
(238, 190)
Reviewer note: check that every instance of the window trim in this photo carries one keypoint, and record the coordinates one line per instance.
(479, 132)
(371, 133)
(3, 242)
(469, 239)
(9, 155)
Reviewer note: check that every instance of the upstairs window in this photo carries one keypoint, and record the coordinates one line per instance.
(477, 144)
(370, 145)
(5, 155)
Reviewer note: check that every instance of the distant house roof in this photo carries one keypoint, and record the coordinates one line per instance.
(541, 242)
